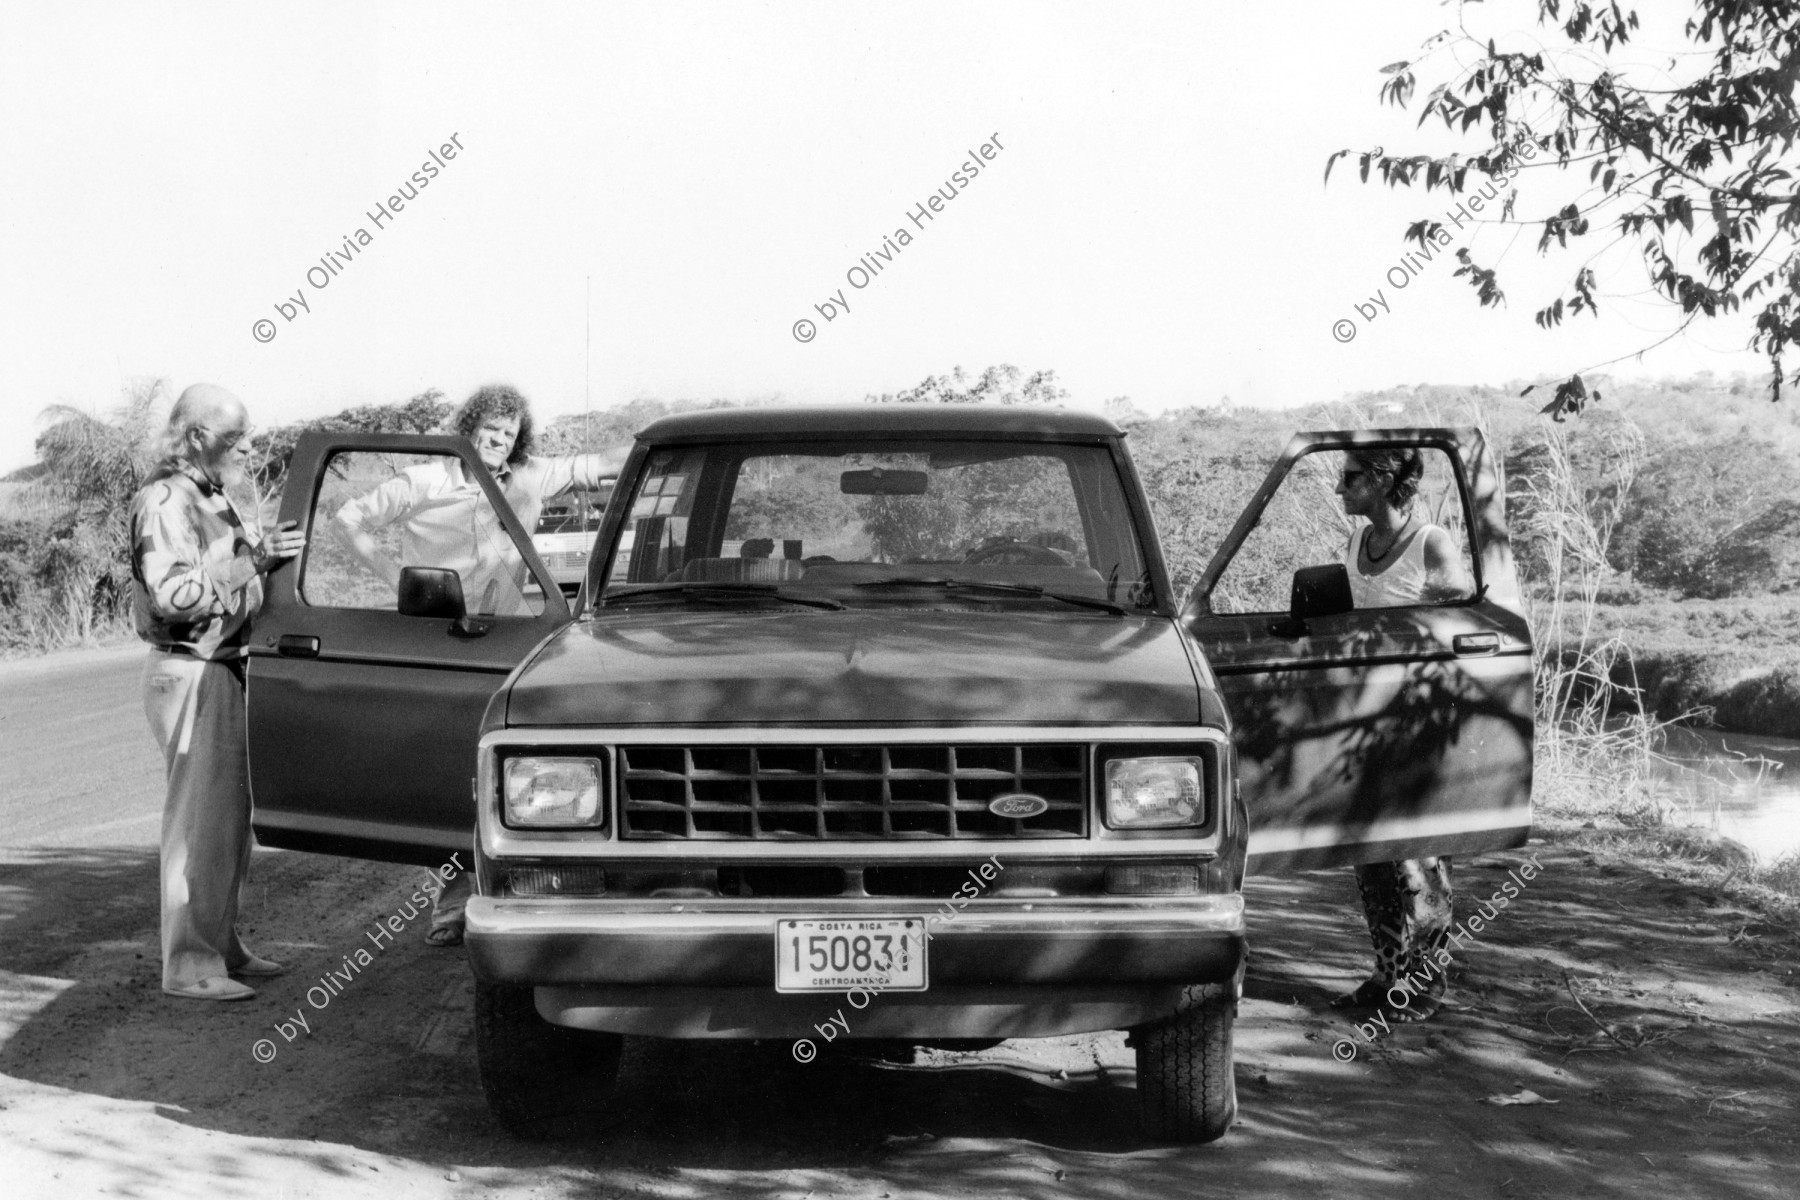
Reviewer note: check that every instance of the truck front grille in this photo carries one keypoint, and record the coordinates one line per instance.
(849, 793)
(562, 562)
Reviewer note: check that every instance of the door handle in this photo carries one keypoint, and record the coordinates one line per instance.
(295, 645)
(1476, 643)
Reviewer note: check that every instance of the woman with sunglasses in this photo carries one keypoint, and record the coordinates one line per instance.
(1398, 559)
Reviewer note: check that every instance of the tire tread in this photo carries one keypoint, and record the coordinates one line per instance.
(1186, 1088)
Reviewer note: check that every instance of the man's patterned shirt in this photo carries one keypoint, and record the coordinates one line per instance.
(194, 582)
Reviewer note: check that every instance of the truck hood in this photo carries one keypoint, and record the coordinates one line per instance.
(863, 666)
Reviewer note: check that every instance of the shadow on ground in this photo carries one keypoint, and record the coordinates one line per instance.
(1661, 1019)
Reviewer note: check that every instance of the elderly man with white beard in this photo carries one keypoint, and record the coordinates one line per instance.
(197, 578)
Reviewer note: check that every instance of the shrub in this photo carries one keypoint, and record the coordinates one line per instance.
(1713, 519)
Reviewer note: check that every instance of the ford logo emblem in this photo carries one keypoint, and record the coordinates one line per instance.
(1018, 805)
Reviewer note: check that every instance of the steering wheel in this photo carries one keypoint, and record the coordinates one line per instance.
(1013, 552)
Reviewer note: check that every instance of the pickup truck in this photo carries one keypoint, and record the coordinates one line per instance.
(892, 704)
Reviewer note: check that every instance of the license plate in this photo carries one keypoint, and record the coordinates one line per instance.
(879, 953)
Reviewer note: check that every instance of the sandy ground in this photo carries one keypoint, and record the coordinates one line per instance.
(1659, 1019)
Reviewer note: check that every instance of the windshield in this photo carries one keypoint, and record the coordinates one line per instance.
(880, 523)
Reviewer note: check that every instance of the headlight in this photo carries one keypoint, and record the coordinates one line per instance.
(552, 792)
(1154, 793)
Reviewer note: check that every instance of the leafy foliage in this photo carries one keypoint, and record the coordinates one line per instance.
(78, 575)
(969, 504)
(426, 412)
(803, 492)
(1004, 384)
(1711, 519)
(578, 433)
(66, 572)
(1715, 509)
(1198, 468)
(1698, 171)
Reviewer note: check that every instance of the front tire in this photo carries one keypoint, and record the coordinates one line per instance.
(1186, 1090)
(542, 1080)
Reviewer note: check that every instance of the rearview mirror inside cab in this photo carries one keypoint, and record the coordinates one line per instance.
(878, 482)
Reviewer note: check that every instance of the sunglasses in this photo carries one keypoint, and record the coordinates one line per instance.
(1352, 474)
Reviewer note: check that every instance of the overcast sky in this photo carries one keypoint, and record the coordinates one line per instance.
(1153, 224)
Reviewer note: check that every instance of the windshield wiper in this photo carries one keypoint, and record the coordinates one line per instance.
(748, 591)
(1005, 589)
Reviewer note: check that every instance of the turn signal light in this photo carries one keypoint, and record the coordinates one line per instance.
(555, 881)
(1153, 879)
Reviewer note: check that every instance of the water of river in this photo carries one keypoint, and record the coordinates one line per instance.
(1744, 787)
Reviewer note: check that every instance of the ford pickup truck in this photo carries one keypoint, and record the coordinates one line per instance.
(893, 703)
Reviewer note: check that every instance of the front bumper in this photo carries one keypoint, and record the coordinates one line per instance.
(707, 969)
(709, 944)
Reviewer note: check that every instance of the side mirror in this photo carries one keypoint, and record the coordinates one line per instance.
(431, 592)
(1320, 592)
(1317, 592)
(437, 592)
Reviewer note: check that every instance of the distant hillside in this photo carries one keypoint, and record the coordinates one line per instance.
(1704, 473)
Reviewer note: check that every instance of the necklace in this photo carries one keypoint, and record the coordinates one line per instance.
(1392, 542)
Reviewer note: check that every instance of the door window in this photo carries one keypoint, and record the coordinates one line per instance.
(1306, 525)
(378, 512)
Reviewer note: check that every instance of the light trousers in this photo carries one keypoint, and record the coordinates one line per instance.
(196, 711)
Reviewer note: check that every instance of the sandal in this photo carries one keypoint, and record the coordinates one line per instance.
(257, 967)
(1419, 1008)
(214, 987)
(448, 934)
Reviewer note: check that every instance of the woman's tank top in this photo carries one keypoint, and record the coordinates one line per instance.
(1400, 582)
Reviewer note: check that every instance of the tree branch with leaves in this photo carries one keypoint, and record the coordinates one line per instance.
(1697, 169)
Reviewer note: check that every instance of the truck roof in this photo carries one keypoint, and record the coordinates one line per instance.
(854, 420)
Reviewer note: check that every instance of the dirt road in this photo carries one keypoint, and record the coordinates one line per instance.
(1660, 1021)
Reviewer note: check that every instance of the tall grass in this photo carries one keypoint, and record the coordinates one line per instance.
(1588, 761)
(65, 577)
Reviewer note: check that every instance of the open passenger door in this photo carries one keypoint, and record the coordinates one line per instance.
(366, 694)
(1367, 735)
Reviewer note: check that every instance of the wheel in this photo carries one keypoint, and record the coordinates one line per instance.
(541, 1080)
(1185, 1085)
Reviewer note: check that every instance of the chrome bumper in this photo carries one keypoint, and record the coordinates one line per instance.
(709, 944)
